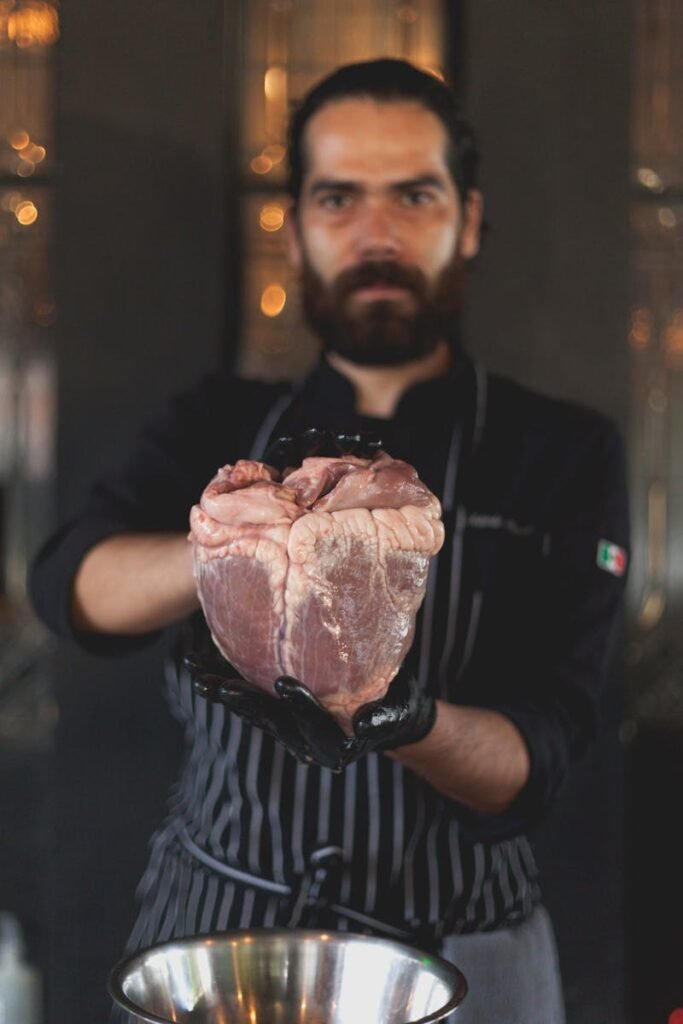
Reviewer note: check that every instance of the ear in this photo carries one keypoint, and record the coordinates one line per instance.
(472, 217)
(292, 239)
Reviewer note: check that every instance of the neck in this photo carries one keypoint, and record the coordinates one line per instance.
(380, 388)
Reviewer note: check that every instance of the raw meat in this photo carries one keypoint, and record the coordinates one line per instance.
(318, 575)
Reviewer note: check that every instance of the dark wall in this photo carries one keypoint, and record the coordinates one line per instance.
(141, 210)
(547, 86)
(143, 308)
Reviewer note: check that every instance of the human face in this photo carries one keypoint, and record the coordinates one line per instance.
(380, 235)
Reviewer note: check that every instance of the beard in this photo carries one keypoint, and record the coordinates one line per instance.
(384, 332)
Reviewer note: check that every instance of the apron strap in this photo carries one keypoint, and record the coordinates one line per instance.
(270, 421)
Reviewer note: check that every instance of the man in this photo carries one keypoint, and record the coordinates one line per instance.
(423, 838)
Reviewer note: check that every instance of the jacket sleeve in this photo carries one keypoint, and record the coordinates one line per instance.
(153, 492)
(553, 687)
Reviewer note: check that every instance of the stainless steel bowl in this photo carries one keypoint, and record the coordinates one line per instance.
(268, 976)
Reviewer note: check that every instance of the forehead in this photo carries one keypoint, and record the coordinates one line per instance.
(359, 138)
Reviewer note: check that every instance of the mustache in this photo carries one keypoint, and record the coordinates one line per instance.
(379, 272)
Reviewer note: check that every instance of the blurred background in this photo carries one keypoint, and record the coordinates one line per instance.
(141, 206)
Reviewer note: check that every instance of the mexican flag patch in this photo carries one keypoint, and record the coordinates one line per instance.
(611, 558)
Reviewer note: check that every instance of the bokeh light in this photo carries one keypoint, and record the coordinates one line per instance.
(667, 217)
(34, 23)
(275, 83)
(275, 152)
(19, 140)
(10, 201)
(26, 213)
(650, 179)
(273, 300)
(271, 217)
(261, 164)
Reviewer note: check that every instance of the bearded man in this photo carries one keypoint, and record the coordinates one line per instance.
(428, 824)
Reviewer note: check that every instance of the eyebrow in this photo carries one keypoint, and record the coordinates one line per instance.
(333, 185)
(421, 181)
(339, 185)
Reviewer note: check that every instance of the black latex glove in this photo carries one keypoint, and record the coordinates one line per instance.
(294, 717)
(288, 451)
(297, 719)
(404, 715)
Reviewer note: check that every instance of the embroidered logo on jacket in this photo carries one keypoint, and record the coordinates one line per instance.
(611, 558)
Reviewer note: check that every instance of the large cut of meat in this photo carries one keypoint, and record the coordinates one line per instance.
(317, 574)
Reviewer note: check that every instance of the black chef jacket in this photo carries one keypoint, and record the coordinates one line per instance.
(520, 614)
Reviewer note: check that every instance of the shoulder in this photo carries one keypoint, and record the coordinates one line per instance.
(223, 389)
(549, 451)
(541, 427)
(220, 402)
(541, 417)
(210, 423)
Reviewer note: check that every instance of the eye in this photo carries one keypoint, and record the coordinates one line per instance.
(335, 200)
(417, 197)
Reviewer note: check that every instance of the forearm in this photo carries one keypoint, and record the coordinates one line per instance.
(134, 583)
(472, 755)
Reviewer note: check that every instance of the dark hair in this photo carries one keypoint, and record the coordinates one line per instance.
(388, 80)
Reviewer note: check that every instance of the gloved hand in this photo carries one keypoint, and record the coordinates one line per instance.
(294, 717)
(405, 714)
(297, 719)
(291, 450)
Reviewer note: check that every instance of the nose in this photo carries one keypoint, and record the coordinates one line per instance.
(377, 236)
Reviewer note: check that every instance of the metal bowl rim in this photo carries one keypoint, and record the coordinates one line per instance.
(115, 988)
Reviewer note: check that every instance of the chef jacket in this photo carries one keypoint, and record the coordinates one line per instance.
(520, 615)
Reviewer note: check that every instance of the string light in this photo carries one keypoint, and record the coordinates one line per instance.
(271, 217)
(650, 179)
(26, 213)
(19, 140)
(667, 217)
(25, 168)
(10, 201)
(275, 153)
(275, 83)
(273, 300)
(33, 23)
(261, 164)
(28, 153)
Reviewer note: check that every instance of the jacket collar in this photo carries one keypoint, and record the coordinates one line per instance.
(441, 400)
